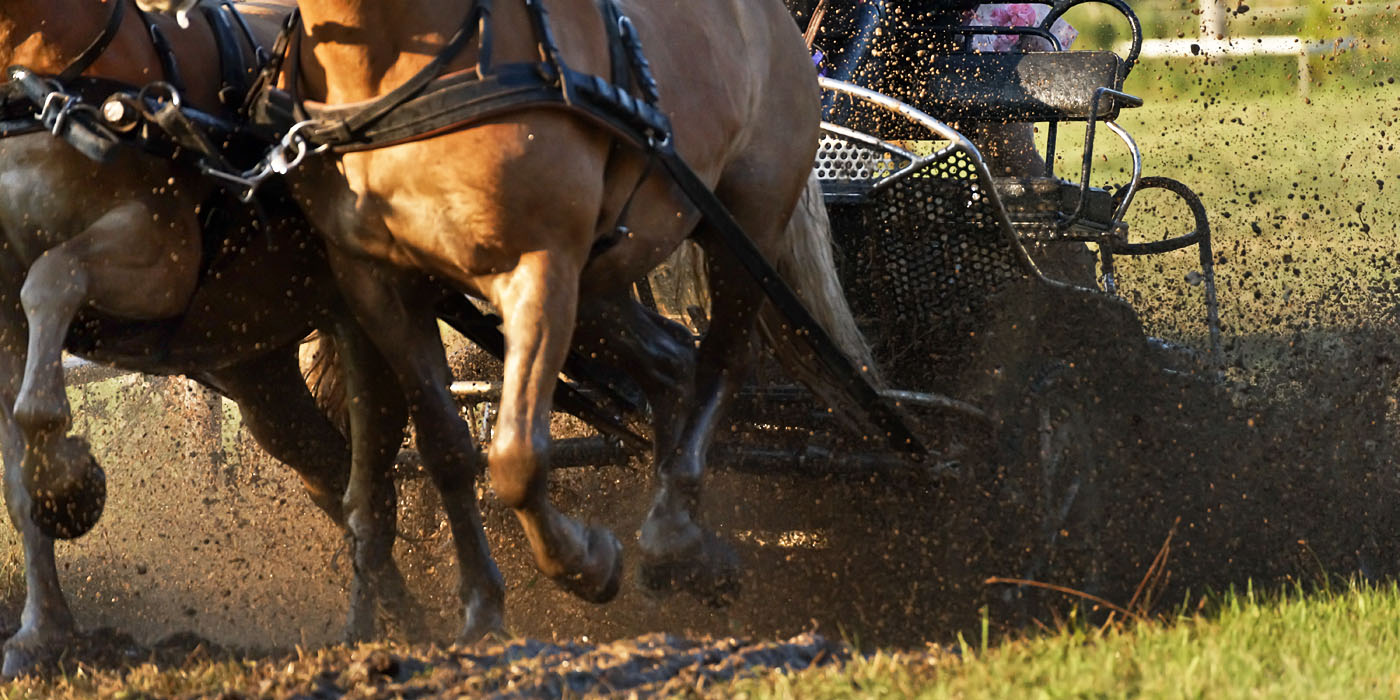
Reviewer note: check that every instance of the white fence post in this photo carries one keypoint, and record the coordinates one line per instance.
(1213, 22)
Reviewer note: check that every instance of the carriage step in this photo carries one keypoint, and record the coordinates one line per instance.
(1037, 208)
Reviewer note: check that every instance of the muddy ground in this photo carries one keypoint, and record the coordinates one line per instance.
(1277, 470)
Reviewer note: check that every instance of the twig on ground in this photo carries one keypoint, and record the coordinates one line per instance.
(1153, 580)
(1067, 591)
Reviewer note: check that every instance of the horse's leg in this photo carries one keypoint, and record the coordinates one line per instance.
(658, 353)
(538, 303)
(284, 420)
(407, 337)
(282, 416)
(377, 417)
(46, 623)
(52, 483)
(676, 550)
(133, 270)
(62, 477)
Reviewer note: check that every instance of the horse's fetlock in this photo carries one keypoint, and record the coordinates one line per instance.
(42, 413)
(518, 476)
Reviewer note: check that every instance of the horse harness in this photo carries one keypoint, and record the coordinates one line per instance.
(96, 115)
(99, 117)
(428, 104)
(432, 102)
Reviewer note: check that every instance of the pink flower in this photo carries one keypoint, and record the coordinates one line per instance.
(1017, 15)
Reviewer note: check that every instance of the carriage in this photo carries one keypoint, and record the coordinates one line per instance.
(976, 278)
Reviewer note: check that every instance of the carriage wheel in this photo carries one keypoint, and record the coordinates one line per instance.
(1052, 366)
(1059, 493)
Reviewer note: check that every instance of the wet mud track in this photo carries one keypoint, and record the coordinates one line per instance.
(654, 665)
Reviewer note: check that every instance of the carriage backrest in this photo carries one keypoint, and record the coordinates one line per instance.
(1021, 87)
(935, 65)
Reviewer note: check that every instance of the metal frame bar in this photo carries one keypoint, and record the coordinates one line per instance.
(1087, 166)
(957, 143)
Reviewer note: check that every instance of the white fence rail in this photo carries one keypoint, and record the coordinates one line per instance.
(1238, 47)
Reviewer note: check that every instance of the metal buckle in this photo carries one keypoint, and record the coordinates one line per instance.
(57, 105)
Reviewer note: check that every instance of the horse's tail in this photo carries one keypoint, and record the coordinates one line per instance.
(320, 367)
(806, 263)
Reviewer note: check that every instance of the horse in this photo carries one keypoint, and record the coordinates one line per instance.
(108, 259)
(550, 218)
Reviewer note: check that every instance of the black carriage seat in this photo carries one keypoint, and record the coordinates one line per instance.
(1041, 86)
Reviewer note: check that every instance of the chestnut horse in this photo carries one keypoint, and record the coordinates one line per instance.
(550, 218)
(107, 257)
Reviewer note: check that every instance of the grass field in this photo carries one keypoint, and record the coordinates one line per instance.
(1302, 196)
(1334, 644)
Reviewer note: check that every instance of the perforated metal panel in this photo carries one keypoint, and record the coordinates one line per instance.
(921, 257)
(842, 160)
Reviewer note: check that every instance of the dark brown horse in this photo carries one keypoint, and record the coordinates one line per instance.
(108, 258)
(526, 209)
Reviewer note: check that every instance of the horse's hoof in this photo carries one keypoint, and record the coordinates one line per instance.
(485, 617)
(67, 488)
(405, 614)
(358, 630)
(601, 578)
(479, 628)
(69, 510)
(709, 570)
(25, 656)
(400, 609)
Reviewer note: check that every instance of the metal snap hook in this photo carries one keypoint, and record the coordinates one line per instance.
(292, 149)
(161, 93)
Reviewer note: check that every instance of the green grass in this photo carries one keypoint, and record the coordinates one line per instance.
(1343, 644)
(1302, 196)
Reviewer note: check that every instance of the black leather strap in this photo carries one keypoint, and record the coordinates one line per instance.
(169, 66)
(430, 103)
(234, 70)
(732, 236)
(355, 124)
(94, 50)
